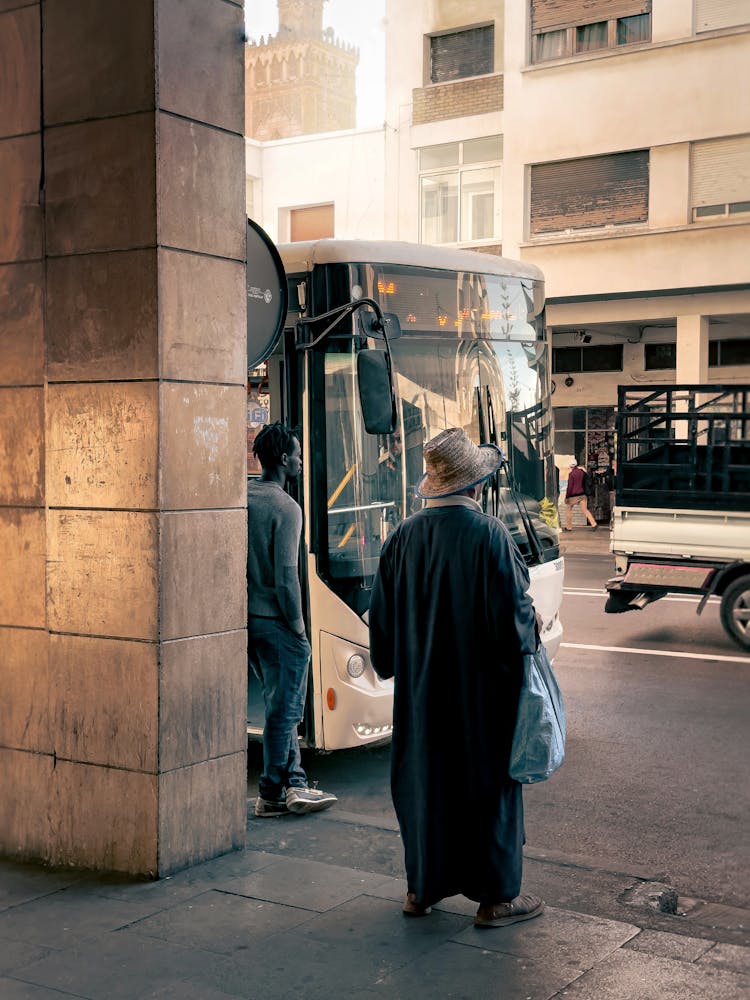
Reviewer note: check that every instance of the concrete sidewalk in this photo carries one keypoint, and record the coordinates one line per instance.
(269, 924)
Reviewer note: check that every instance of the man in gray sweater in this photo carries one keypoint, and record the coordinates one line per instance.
(278, 649)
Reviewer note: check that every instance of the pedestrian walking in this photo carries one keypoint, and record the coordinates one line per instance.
(450, 620)
(576, 494)
(278, 648)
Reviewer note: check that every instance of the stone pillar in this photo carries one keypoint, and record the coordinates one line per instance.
(692, 350)
(122, 473)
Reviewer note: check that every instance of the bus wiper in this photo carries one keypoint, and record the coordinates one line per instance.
(533, 538)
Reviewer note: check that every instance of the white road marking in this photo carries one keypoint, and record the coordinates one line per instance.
(656, 652)
(580, 592)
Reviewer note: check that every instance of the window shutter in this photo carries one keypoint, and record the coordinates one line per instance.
(713, 14)
(720, 171)
(313, 223)
(591, 192)
(459, 54)
(549, 14)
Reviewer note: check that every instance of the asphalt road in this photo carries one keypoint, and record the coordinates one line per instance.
(656, 775)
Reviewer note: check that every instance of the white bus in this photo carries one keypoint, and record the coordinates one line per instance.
(471, 351)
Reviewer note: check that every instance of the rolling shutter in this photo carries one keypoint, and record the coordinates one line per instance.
(459, 54)
(713, 14)
(547, 15)
(720, 171)
(589, 193)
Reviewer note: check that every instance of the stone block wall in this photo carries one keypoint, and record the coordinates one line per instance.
(122, 432)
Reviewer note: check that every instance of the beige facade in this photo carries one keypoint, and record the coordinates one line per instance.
(644, 269)
(620, 166)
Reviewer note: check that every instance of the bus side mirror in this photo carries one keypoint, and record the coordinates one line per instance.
(376, 392)
(370, 325)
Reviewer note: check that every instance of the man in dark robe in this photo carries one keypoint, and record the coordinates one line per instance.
(450, 620)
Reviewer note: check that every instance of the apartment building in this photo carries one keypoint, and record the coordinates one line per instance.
(606, 141)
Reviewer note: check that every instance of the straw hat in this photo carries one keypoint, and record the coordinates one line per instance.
(454, 463)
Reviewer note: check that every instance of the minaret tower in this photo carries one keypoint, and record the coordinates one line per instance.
(300, 80)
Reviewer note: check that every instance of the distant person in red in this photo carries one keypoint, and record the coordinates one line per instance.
(578, 481)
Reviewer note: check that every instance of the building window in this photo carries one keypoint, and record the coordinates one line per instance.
(710, 15)
(562, 30)
(589, 193)
(454, 55)
(601, 358)
(459, 191)
(724, 353)
(720, 177)
(659, 357)
(313, 223)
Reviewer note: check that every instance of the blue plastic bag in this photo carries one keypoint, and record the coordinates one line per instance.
(539, 738)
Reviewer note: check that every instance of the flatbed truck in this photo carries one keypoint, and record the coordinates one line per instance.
(681, 520)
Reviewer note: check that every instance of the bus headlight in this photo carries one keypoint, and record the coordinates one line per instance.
(355, 665)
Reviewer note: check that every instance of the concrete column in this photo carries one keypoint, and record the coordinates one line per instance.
(692, 350)
(122, 739)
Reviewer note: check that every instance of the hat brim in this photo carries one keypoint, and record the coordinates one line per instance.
(491, 462)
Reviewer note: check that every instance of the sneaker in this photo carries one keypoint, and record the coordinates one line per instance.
(501, 914)
(308, 800)
(270, 807)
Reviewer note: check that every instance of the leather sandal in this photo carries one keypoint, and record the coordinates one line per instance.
(499, 914)
(412, 908)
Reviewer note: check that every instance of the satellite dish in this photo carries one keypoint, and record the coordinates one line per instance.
(267, 296)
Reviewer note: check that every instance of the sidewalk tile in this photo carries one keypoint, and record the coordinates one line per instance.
(666, 945)
(395, 888)
(732, 957)
(185, 884)
(628, 974)
(378, 927)
(462, 973)
(12, 989)
(16, 954)
(23, 883)
(309, 885)
(123, 966)
(220, 922)
(69, 917)
(572, 941)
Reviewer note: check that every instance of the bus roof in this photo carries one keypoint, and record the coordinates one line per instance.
(299, 257)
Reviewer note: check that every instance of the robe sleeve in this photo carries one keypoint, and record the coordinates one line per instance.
(381, 617)
(513, 585)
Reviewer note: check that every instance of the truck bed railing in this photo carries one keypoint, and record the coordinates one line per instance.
(684, 446)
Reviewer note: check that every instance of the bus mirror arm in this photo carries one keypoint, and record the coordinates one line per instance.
(374, 368)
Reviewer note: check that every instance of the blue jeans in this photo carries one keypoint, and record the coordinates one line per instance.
(280, 659)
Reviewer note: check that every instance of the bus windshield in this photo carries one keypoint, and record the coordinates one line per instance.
(472, 355)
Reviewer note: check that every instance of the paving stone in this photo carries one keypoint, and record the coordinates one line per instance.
(628, 974)
(570, 940)
(310, 885)
(685, 949)
(460, 973)
(318, 839)
(16, 954)
(728, 956)
(69, 917)
(22, 883)
(123, 965)
(220, 922)
(185, 884)
(12, 989)
(395, 888)
(377, 928)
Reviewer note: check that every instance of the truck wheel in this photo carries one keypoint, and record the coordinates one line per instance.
(735, 611)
